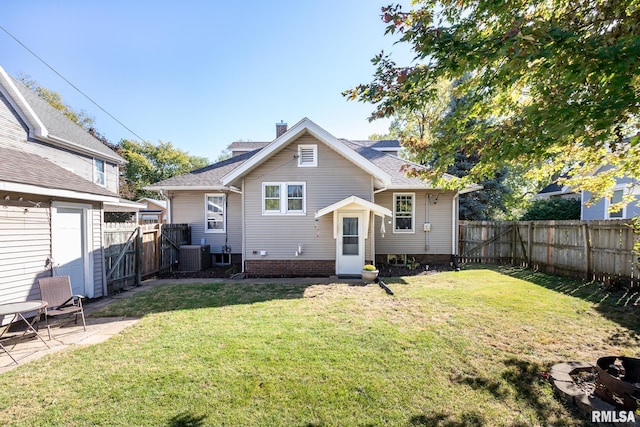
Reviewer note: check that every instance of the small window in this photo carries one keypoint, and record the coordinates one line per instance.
(615, 199)
(403, 213)
(215, 213)
(307, 155)
(397, 259)
(99, 172)
(283, 198)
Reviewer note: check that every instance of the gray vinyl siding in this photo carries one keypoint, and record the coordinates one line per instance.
(280, 235)
(188, 207)
(439, 216)
(14, 134)
(598, 210)
(98, 253)
(25, 245)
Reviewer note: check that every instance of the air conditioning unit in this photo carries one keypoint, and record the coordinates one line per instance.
(195, 257)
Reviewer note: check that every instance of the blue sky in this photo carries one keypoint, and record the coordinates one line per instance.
(202, 74)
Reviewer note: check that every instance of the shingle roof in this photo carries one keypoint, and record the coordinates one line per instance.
(389, 163)
(31, 169)
(209, 176)
(377, 144)
(60, 126)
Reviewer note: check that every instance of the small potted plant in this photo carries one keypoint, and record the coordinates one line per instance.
(369, 273)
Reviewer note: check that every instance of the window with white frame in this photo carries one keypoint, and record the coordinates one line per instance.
(616, 198)
(403, 212)
(282, 198)
(215, 213)
(99, 172)
(308, 155)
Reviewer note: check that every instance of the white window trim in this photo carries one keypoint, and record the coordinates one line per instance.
(313, 147)
(413, 213)
(284, 205)
(206, 213)
(95, 172)
(607, 203)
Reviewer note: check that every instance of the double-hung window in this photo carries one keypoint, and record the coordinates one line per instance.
(99, 172)
(215, 213)
(403, 212)
(616, 198)
(281, 198)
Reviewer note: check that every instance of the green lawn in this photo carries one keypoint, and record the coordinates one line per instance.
(450, 349)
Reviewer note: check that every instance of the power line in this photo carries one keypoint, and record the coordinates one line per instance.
(71, 84)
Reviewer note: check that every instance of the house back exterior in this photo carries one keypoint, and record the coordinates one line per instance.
(310, 204)
(55, 181)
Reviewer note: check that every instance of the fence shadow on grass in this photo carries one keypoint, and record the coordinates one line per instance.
(621, 306)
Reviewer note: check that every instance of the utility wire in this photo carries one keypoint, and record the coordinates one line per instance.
(71, 84)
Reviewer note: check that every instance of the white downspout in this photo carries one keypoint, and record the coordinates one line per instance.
(243, 225)
(454, 225)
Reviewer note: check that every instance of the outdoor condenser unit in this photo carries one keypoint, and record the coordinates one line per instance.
(195, 257)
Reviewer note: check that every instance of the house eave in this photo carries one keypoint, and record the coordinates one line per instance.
(81, 149)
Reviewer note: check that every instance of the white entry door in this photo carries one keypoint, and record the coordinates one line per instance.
(350, 243)
(69, 245)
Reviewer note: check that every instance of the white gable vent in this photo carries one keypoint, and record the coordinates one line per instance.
(307, 155)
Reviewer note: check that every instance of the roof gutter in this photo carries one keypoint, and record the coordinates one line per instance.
(56, 192)
(160, 189)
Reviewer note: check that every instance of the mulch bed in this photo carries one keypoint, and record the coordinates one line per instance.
(385, 271)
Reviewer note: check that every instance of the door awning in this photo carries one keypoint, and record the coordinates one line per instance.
(355, 203)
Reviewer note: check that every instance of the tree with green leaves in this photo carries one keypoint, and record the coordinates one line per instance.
(148, 163)
(553, 209)
(551, 85)
(421, 122)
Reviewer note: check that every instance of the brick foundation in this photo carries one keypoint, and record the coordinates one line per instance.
(289, 268)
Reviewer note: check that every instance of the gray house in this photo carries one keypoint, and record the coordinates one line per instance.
(308, 203)
(56, 180)
(624, 188)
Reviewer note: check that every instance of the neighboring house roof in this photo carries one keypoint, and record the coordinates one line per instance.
(218, 176)
(49, 124)
(247, 145)
(392, 145)
(30, 173)
(162, 204)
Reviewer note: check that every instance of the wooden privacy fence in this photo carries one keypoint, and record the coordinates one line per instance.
(593, 250)
(133, 252)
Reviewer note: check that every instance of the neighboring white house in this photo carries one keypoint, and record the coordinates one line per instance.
(55, 182)
(308, 203)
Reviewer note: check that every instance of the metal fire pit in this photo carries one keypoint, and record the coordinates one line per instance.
(618, 381)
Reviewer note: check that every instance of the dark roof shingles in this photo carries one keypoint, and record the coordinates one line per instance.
(31, 169)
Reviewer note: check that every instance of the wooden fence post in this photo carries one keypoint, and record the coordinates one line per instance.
(139, 257)
(587, 251)
(529, 244)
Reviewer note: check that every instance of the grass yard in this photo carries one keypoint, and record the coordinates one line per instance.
(450, 349)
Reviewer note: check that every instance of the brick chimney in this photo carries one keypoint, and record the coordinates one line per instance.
(280, 128)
